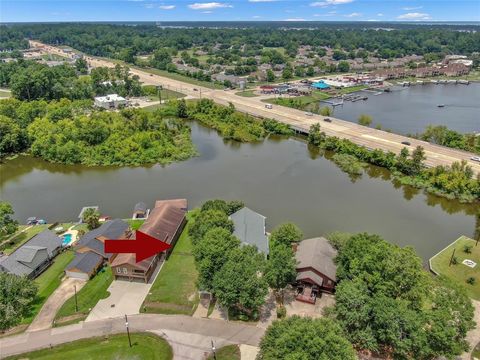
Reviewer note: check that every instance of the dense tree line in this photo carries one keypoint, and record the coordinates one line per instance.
(441, 135)
(72, 133)
(29, 80)
(455, 181)
(231, 124)
(124, 41)
(387, 304)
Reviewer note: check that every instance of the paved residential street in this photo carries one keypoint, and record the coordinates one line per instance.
(194, 333)
(44, 318)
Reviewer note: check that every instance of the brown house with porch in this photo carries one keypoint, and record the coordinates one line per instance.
(316, 270)
(165, 223)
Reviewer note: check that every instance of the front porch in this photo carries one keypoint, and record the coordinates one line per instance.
(307, 293)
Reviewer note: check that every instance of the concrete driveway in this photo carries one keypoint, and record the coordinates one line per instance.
(44, 318)
(125, 298)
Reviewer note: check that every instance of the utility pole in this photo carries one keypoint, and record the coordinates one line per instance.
(76, 303)
(213, 350)
(451, 259)
(128, 331)
(159, 90)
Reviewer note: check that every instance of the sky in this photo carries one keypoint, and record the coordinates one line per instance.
(236, 10)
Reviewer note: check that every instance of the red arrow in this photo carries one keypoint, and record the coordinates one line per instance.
(143, 246)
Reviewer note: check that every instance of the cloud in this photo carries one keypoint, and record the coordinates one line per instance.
(414, 16)
(256, 17)
(409, 8)
(209, 5)
(354, 14)
(149, 6)
(329, 3)
(294, 19)
(207, 12)
(254, 1)
(379, 14)
(167, 7)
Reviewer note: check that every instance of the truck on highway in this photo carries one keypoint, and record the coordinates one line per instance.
(268, 106)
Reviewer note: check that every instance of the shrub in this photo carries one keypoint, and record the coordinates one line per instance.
(467, 249)
(281, 312)
(471, 280)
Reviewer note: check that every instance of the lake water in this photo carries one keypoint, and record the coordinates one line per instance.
(408, 110)
(281, 179)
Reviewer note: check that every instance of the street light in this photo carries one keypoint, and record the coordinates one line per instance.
(128, 331)
(213, 349)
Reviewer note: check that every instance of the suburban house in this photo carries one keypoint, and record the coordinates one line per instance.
(316, 270)
(140, 211)
(165, 223)
(33, 257)
(250, 229)
(90, 253)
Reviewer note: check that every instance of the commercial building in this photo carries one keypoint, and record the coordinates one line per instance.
(112, 101)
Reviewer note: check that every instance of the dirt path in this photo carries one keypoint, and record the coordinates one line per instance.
(45, 317)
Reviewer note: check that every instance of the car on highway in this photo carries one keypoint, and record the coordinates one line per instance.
(406, 143)
(195, 89)
(475, 158)
(327, 120)
(151, 74)
(308, 113)
(268, 106)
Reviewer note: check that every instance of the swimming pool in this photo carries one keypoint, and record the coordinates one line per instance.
(67, 239)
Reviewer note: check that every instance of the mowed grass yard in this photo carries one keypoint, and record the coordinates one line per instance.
(174, 290)
(113, 347)
(93, 291)
(48, 281)
(229, 352)
(23, 234)
(459, 272)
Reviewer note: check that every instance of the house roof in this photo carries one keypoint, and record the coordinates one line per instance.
(310, 275)
(20, 262)
(112, 229)
(318, 254)
(165, 219)
(162, 224)
(122, 259)
(250, 228)
(85, 262)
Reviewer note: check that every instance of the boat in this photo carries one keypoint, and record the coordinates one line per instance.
(441, 105)
(464, 82)
(434, 81)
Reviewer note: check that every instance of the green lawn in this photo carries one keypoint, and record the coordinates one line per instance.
(48, 281)
(93, 291)
(172, 291)
(460, 272)
(167, 95)
(21, 237)
(134, 224)
(113, 347)
(304, 101)
(229, 352)
(180, 77)
(351, 89)
(246, 93)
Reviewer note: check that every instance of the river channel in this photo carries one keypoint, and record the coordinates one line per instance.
(280, 178)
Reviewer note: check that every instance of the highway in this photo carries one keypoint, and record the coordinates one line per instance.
(361, 135)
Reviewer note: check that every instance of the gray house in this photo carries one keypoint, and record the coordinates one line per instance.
(90, 249)
(33, 257)
(250, 229)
